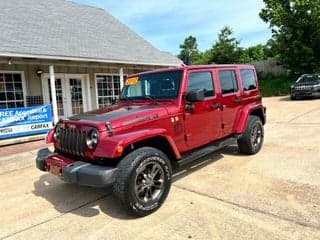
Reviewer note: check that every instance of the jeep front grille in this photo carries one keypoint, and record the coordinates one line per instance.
(72, 142)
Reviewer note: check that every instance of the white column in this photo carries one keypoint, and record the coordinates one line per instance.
(53, 95)
(121, 78)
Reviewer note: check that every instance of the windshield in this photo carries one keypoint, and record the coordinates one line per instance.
(159, 85)
(314, 78)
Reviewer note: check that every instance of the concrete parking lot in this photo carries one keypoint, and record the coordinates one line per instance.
(272, 195)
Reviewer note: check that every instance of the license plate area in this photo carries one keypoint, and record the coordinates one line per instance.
(55, 170)
(55, 164)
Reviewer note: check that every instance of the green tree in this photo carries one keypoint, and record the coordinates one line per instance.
(189, 50)
(226, 49)
(295, 25)
(256, 53)
(271, 49)
(205, 57)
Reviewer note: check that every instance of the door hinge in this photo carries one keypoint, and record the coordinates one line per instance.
(187, 137)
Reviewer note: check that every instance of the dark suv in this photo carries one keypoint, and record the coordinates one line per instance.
(163, 118)
(307, 85)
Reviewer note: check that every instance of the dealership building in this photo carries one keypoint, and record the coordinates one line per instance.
(70, 56)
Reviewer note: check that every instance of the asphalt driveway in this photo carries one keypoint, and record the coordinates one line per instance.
(272, 195)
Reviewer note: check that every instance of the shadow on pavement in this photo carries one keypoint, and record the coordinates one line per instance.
(288, 99)
(181, 172)
(79, 200)
(90, 202)
(285, 99)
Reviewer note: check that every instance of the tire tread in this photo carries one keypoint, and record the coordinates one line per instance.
(244, 142)
(125, 168)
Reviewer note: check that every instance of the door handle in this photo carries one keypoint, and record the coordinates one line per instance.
(237, 100)
(217, 106)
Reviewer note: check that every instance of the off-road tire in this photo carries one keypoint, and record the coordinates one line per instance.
(143, 180)
(250, 142)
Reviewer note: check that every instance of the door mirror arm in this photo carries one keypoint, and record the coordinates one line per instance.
(189, 106)
(196, 95)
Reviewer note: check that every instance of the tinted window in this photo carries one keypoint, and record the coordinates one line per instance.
(201, 80)
(310, 78)
(228, 81)
(248, 79)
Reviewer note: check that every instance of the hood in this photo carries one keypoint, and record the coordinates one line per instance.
(123, 115)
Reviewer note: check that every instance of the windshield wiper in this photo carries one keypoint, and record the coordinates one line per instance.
(127, 100)
(154, 100)
(131, 99)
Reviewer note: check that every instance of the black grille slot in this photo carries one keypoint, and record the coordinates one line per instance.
(73, 142)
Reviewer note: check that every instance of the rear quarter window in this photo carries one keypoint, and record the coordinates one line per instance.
(248, 79)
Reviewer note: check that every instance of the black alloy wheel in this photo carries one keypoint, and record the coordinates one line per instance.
(143, 180)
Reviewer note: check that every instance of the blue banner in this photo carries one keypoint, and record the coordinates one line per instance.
(15, 122)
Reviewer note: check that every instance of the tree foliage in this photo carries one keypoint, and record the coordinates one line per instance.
(189, 50)
(226, 49)
(256, 53)
(295, 26)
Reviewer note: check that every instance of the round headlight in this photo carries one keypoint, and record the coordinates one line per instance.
(56, 134)
(92, 138)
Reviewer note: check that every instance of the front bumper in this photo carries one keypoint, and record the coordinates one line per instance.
(76, 172)
(309, 93)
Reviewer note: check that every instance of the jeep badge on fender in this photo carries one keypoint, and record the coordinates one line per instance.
(162, 117)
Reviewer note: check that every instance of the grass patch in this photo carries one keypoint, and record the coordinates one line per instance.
(275, 85)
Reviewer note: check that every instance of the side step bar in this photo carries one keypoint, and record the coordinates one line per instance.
(207, 149)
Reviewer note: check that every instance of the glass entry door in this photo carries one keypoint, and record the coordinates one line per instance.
(76, 93)
(59, 94)
(70, 92)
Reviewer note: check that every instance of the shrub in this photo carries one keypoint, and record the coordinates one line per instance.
(271, 85)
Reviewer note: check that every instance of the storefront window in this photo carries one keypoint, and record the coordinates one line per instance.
(11, 90)
(108, 88)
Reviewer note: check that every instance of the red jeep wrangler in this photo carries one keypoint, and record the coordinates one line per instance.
(163, 117)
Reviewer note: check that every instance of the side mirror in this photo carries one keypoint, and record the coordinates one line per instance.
(196, 95)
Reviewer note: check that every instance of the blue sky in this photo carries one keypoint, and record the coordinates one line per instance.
(165, 24)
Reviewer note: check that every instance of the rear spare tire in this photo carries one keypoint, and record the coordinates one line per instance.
(143, 180)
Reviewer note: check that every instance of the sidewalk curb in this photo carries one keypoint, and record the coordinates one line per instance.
(10, 141)
(18, 161)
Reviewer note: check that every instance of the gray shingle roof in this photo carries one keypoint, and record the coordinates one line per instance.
(62, 29)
